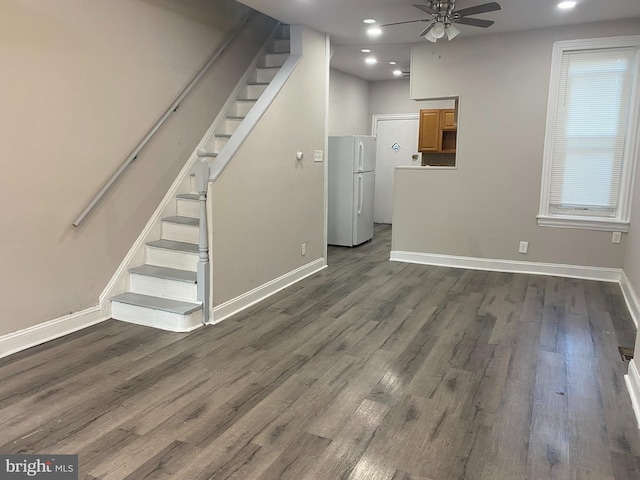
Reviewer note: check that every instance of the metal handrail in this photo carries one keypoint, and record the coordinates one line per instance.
(174, 106)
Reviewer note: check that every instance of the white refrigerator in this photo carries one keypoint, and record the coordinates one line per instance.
(351, 170)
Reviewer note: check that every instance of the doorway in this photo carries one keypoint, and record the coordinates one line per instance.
(397, 146)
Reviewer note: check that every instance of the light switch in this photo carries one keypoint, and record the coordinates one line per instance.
(318, 155)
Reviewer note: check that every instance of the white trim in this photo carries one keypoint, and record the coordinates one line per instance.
(631, 299)
(22, 339)
(545, 218)
(632, 379)
(325, 168)
(382, 117)
(584, 223)
(513, 266)
(235, 305)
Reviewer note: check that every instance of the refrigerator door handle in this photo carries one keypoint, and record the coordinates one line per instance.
(361, 194)
(361, 156)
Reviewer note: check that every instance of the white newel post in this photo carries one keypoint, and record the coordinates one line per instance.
(202, 184)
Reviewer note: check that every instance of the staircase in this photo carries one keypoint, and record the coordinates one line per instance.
(162, 292)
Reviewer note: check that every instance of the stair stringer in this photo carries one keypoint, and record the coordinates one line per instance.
(119, 282)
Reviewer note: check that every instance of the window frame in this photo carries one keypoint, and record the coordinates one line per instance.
(619, 223)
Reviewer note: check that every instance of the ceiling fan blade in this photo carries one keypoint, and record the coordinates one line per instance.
(426, 9)
(487, 7)
(427, 30)
(476, 22)
(408, 21)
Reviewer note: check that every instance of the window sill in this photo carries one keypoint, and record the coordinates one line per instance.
(584, 223)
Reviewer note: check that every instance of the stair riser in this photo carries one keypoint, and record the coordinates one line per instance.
(274, 59)
(280, 46)
(187, 208)
(252, 91)
(172, 259)
(240, 109)
(231, 125)
(219, 144)
(172, 322)
(162, 287)
(284, 32)
(264, 75)
(180, 233)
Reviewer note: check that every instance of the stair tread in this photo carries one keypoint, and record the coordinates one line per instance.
(257, 84)
(223, 135)
(194, 222)
(246, 99)
(188, 196)
(234, 117)
(173, 245)
(165, 273)
(157, 303)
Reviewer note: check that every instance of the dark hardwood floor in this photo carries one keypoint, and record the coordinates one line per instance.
(368, 370)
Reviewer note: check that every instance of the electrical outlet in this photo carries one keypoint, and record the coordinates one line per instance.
(304, 249)
(616, 237)
(524, 247)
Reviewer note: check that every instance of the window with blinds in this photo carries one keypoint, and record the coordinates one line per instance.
(590, 149)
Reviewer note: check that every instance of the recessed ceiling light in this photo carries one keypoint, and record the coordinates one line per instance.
(370, 60)
(366, 50)
(397, 73)
(566, 5)
(369, 20)
(392, 63)
(374, 32)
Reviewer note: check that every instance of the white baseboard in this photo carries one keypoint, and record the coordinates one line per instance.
(21, 340)
(633, 304)
(633, 385)
(512, 266)
(235, 305)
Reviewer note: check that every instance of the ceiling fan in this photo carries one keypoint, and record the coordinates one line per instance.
(444, 15)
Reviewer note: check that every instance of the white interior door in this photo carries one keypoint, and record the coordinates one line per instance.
(397, 143)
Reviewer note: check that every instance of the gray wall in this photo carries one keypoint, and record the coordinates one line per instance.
(81, 83)
(348, 104)
(490, 203)
(392, 96)
(266, 203)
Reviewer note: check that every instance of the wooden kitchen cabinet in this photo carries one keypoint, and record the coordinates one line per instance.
(448, 119)
(429, 133)
(438, 131)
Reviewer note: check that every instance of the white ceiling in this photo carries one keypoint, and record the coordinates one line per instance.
(342, 19)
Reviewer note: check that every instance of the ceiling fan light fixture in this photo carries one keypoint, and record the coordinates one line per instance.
(452, 32)
(438, 30)
(374, 32)
(429, 36)
(397, 73)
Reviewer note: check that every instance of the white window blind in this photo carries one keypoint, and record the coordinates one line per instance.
(591, 124)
